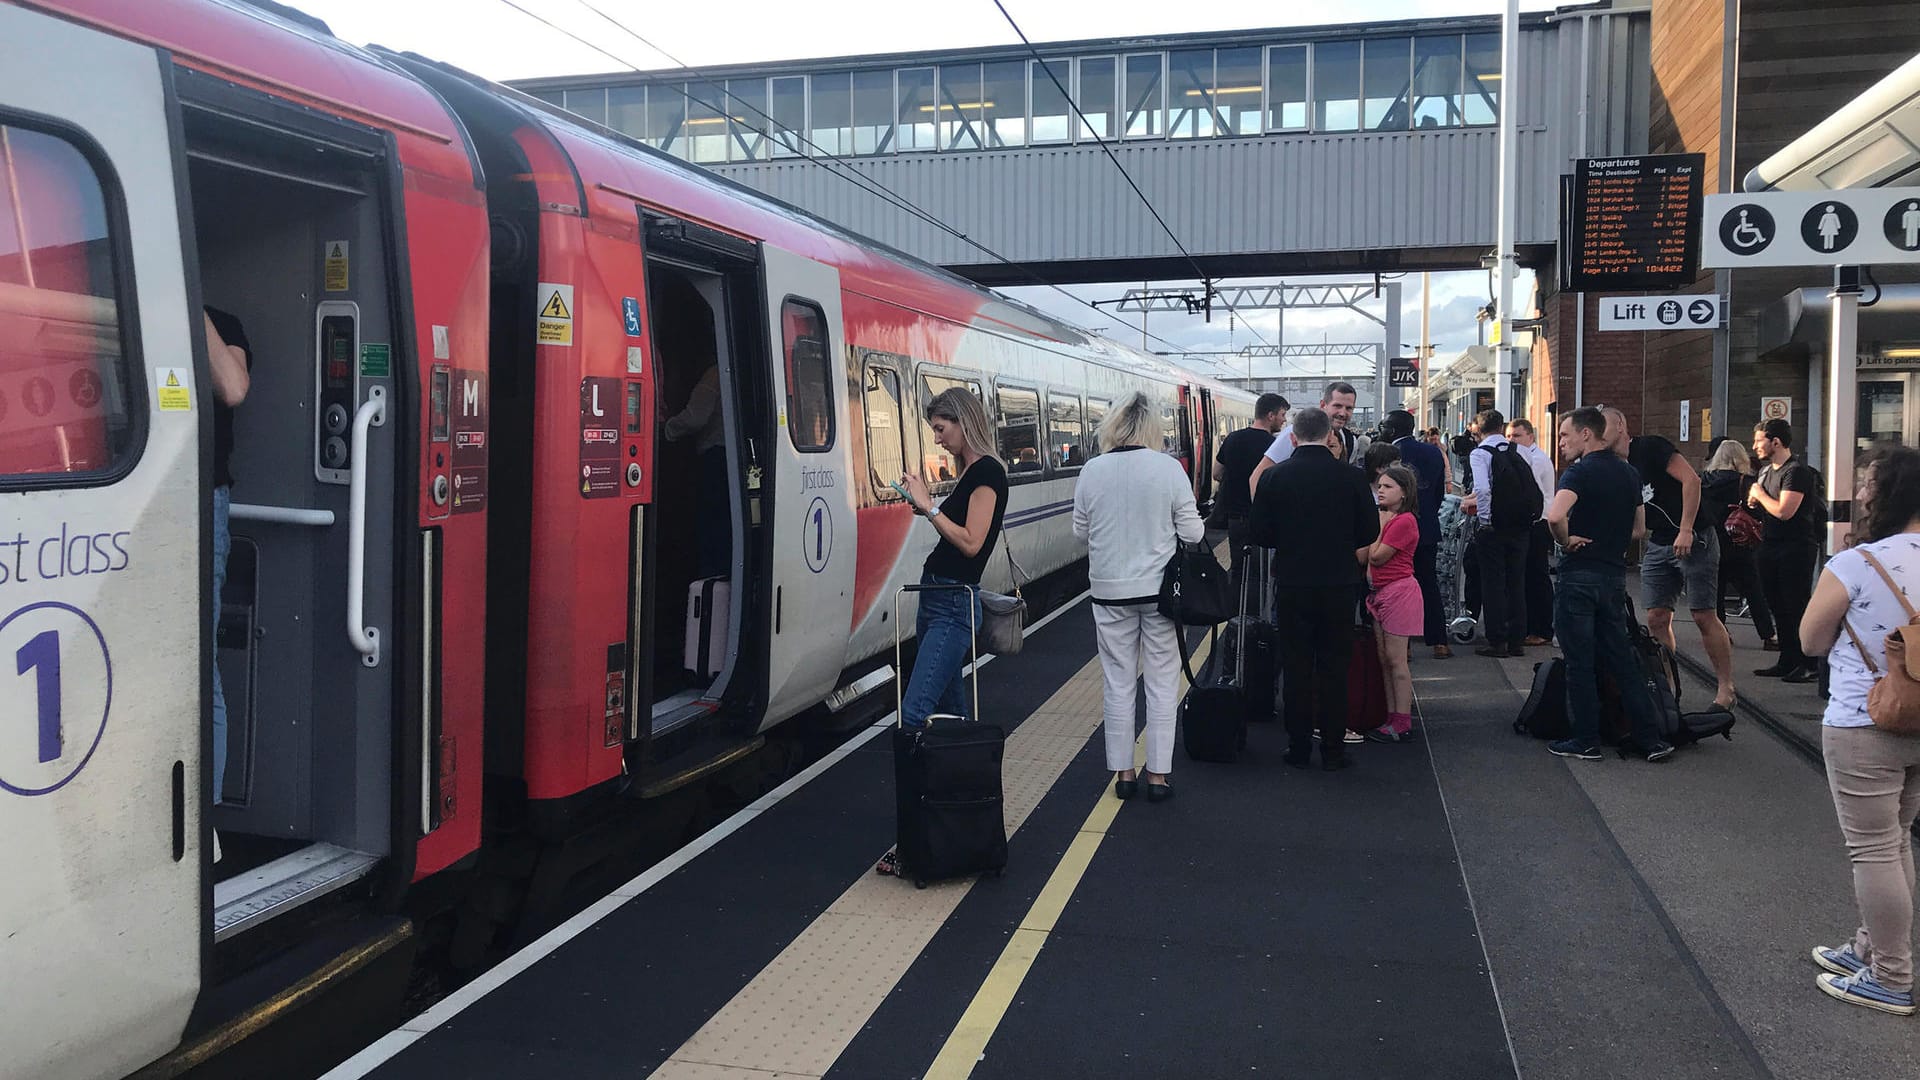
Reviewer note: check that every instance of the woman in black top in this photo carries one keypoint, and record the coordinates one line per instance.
(1723, 485)
(968, 521)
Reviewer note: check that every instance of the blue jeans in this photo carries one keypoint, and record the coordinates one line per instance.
(944, 630)
(1590, 617)
(222, 546)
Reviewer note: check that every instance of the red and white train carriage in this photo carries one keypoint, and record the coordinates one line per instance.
(462, 551)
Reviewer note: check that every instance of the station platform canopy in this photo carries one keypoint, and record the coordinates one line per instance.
(1873, 141)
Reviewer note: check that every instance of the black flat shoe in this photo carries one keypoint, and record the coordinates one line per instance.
(1774, 672)
(1125, 789)
(1160, 792)
(1802, 676)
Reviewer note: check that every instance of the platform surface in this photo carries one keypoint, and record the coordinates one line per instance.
(1465, 906)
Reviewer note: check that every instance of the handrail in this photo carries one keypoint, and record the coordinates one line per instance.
(366, 639)
(280, 515)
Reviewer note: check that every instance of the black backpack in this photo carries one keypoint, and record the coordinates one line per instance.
(1516, 498)
(1544, 714)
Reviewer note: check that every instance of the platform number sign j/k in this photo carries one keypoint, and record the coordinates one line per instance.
(55, 657)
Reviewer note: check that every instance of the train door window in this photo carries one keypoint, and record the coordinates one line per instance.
(1096, 416)
(886, 434)
(1169, 429)
(1066, 437)
(72, 414)
(1019, 429)
(809, 376)
(936, 465)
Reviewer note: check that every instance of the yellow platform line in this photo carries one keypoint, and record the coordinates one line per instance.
(968, 1042)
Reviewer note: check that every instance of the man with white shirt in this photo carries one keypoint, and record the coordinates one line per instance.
(1540, 542)
(1338, 404)
(1506, 499)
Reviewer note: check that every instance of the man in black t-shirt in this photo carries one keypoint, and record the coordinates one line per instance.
(1787, 495)
(1678, 562)
(230, 360)
(1233, 469)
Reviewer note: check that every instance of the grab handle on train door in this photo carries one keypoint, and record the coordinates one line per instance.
(366, 639)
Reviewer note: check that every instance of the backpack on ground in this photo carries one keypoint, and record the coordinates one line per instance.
(1544, 715)
(1517, 503)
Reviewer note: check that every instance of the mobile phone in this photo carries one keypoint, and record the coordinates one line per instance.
(895, 484)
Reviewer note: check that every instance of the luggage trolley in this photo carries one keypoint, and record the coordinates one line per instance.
(950, 816)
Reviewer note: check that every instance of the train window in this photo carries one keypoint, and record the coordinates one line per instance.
(886, 435)
(1096, 416)
(937, 466)
(73, 407)
(809, 376)
(1169, 429)
(1066, 438)
(1019, 429)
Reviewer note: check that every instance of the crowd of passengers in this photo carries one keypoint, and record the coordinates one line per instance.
(1351, 528)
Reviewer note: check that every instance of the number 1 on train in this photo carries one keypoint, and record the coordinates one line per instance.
(820, 534)
(42, 657)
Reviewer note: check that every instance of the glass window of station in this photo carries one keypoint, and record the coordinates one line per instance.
(1388, 83)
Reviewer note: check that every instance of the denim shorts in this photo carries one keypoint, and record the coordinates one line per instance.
(1664, 577)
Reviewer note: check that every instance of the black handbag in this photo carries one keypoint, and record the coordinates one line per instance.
(1194, 588)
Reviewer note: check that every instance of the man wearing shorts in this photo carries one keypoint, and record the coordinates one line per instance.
(1678, 562)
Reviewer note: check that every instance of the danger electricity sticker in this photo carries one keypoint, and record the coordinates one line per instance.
(554, 319)
(174, 388)
(336, 266)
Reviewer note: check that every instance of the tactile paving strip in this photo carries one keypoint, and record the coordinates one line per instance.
(799, 1013)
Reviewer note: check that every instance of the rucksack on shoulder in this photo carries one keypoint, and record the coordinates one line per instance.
(1516, 498)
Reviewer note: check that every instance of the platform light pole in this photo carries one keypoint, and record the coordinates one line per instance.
(1504, 257)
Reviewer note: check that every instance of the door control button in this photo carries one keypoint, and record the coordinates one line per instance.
(633, 474)
(439, 491)
(334, 453)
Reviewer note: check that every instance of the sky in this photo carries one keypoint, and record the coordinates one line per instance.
(490, 38)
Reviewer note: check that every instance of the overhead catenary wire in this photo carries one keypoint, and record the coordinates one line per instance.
(1206, 280)
(845, 170)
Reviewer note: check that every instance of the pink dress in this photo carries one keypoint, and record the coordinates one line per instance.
(1397, 603)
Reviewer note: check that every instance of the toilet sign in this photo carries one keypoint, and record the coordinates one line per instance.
(1849, 227)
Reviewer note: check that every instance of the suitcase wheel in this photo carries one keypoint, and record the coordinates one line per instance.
(919, 883)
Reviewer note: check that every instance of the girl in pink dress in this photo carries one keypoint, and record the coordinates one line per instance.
(1396, 603)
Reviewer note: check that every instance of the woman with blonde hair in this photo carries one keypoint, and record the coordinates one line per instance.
(1723, 486)
(1133, 507)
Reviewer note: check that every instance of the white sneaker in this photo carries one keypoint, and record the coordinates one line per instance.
(1354, 736)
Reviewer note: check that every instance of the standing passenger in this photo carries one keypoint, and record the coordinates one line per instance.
(1539, 539)
(1786, 493)
(703, 421)
(1428, 463)
(968, 522)
(230, 358)
(1133, 509)
(1723, 486)
(1337, 403)
(1317, 513)
(1233, 473)
(1874, 774)
(1396, 602)
(1502, 542)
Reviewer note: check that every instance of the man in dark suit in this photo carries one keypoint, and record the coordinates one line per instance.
(1316, 512)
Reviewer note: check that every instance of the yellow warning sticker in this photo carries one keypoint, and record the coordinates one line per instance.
(174, 389)
(336, 261)
(554, 319)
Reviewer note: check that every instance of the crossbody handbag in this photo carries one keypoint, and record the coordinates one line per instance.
(1194, 587)
(1003, 623)
(1894, 702)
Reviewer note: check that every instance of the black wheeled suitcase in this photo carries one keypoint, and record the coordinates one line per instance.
(950, 817)
(1213, 714)
(1252, 644)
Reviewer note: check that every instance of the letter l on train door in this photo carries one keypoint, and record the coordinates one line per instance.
(104, 618)
(813, 531)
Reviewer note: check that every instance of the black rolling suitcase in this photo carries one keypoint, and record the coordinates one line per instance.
(950, 820)
(1252, 644)
(1213, 714)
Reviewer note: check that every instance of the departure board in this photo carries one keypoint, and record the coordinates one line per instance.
(1633, 223)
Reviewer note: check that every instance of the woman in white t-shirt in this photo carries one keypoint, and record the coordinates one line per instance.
(1864, 594)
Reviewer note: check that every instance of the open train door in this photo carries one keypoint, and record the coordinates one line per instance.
(104, 623)
(813, 532)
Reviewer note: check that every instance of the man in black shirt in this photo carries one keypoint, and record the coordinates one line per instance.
(230, 359)
(1787, 494)
(1233, 470)
(1318, 515)
(1595, 515)
(1678, 560)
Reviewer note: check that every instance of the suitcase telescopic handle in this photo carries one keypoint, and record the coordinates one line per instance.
(973, 637)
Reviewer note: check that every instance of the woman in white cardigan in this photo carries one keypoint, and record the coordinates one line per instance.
(1132, 506)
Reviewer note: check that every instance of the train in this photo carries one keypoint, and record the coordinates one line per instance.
(473, 588)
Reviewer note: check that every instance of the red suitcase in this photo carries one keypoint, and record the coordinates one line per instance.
(1366, 684)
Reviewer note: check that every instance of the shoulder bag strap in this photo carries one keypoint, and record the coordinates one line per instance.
(1872, 668)
(1891, 584)
(1014, 573)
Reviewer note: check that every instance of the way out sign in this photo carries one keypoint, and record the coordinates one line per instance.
(1849, 227)
(1662, 312)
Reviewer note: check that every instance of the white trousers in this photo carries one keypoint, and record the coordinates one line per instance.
(1138, 644)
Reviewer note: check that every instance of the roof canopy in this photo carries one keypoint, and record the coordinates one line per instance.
(1873, 141)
